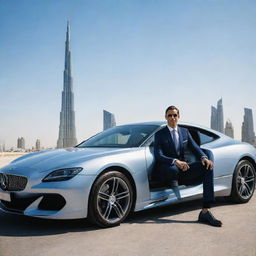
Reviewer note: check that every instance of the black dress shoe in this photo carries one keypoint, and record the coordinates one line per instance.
(208, 218)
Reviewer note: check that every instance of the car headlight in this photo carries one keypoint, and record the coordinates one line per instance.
(62, 174)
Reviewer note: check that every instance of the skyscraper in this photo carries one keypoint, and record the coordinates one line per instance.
(67, 129)
(214, 124)
(229, 130)
(2, 146)
(108, 120)
(21, 143)
(38, 145)
(248, 134)
(220, 116)
(217, 117)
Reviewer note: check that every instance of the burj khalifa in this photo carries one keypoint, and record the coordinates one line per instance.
(67, 129)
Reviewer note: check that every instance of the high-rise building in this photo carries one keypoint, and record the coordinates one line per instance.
(248, 134)
(67, 129)
(229, 130)
(38, 145)
(220, 116)
(2, 146)
(214, 124)
(21, 143)
(108, 120)
(217, 117)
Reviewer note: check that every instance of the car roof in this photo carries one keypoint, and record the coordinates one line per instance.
(162, 123)
(159, 123)
(188, 125)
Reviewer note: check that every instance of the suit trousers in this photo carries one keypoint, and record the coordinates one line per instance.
(195, 175)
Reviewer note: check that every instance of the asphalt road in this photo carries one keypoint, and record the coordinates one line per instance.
(171, 230)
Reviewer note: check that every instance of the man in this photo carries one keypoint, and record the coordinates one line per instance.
(170, 143)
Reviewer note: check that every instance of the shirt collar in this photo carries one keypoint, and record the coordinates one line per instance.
(171, 129)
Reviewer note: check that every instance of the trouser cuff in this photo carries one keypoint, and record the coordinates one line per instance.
(206, 204)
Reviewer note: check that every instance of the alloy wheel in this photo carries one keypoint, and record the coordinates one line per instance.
(245, 181)
(113, 199)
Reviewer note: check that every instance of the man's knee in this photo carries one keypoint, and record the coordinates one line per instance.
(169, 171)
(174, 169)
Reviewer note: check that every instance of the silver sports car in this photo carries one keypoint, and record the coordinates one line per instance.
(109, 175)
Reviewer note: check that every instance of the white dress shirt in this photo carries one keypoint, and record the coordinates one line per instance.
(176, 129)
(177, 134)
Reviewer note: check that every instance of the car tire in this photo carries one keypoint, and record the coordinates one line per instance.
(110, 200)
(243, 184)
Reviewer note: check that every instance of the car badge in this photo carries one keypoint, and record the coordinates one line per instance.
(3, 181)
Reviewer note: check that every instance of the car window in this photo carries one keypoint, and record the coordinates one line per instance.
(195, 135)
(150, 142)
(201, 136)
(121, 136)
(206, 137)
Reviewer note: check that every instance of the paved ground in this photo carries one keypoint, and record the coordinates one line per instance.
(170, 230)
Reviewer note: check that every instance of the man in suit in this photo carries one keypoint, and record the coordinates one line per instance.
(170, 143)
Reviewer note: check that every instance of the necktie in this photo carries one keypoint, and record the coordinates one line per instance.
(175, 140)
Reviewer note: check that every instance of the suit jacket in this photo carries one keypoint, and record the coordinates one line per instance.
(164, 149)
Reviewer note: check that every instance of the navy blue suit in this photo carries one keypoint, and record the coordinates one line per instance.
(164, 148)
(166, 170)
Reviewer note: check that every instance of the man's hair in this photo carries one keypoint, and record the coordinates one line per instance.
(172, 108)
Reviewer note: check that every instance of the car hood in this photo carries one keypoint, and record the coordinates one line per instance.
(59, 158)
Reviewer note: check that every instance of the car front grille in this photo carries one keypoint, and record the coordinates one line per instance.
(11, 182)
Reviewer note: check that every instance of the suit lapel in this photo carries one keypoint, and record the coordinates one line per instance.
(169, 137)
(180, 139)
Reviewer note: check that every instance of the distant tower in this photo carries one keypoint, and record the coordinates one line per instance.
(217, 117)
(248, 134)
(229, 130)
(67, 129)
(18, 143)
(108, 120)
(21, 143)
(2, 146)
(220, 116)
(214, 124)
(38, 145)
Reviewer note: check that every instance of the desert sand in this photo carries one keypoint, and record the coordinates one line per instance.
(7, 157)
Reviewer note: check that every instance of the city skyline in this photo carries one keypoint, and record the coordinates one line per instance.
(133, 58)
(248, 133)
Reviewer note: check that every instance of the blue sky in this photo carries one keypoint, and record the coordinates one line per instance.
(133, 58)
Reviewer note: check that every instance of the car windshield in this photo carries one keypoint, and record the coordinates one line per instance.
(124, 136)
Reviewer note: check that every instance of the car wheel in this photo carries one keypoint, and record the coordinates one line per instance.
(243, 184)
(110, 199)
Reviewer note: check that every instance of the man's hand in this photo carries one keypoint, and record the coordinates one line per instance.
(182, 165)
(207, 163)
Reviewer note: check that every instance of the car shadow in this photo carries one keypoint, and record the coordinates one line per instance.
(22, 226)
(159, 215)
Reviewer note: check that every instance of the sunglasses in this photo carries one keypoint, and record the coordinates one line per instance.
(172, 115)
